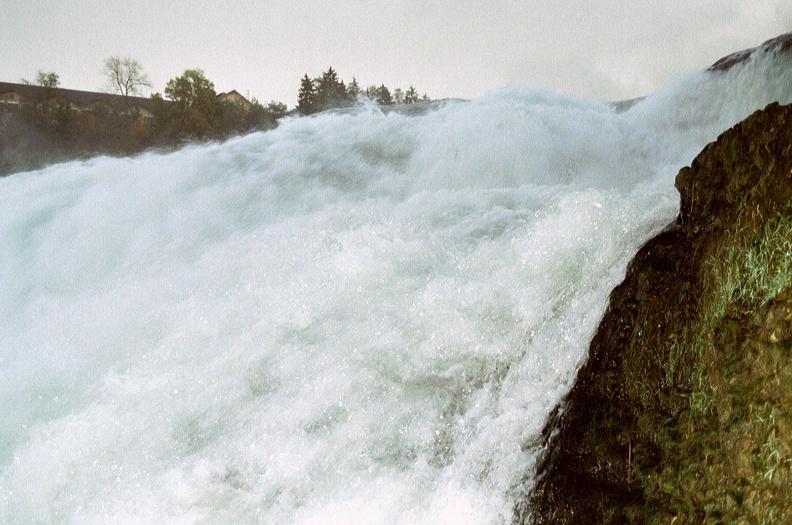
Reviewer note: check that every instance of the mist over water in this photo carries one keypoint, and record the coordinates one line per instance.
(354, 318)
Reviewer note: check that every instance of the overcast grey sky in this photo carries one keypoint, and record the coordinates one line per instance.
(606, 49)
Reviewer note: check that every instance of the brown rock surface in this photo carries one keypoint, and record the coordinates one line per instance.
(683, 411)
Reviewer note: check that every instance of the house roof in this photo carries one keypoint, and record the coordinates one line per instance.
(232, 93)
(82, 98)
(236, 97)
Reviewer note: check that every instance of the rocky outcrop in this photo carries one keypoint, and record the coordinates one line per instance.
(779, 44)
(683, 411)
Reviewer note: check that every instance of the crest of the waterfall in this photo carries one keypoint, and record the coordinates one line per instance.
(357, 317)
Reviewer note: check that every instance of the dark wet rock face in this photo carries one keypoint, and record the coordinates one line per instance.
(780, 44)
(683, 412)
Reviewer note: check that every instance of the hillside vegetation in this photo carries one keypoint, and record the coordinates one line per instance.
(48, 129)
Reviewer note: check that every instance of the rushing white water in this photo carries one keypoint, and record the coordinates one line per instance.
(355, 318)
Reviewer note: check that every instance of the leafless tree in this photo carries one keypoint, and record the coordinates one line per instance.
(125, 76)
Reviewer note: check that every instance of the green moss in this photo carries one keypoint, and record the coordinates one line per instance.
(683, 413)
(755, 274)
(734, 463)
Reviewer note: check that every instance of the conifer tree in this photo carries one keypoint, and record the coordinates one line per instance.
(353, 91)
(411, 96)
(371, 93)
(330, 91)
(384, 97)
(306, 97)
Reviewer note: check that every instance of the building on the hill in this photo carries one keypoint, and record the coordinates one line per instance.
(14, 96)
(234, 97)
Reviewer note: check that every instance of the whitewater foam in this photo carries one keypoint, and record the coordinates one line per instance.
(354, 318)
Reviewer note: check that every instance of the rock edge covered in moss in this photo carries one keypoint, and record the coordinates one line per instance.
(683, 411)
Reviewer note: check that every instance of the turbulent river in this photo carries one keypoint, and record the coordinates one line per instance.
(356, 318)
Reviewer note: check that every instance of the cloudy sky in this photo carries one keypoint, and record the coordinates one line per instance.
(612, 49)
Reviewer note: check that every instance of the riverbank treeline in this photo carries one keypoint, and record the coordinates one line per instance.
(48, 127)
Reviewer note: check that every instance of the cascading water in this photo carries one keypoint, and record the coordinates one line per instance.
(354, 318)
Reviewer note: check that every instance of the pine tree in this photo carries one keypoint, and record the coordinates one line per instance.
(384, 97)
(330, 91)
(371, 93)
(306, 97)
(411, 96)
(353, 91)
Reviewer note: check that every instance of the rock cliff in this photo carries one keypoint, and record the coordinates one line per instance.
(683, 411)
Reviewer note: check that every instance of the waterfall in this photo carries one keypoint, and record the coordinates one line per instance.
(358, 317)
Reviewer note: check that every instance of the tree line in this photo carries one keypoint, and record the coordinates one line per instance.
(328, 92)
(48, 130)
(191, 110)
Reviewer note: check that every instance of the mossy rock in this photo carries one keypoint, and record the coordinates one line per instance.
(682, 412)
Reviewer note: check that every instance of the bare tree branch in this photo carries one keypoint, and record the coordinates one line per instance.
(125, 76)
